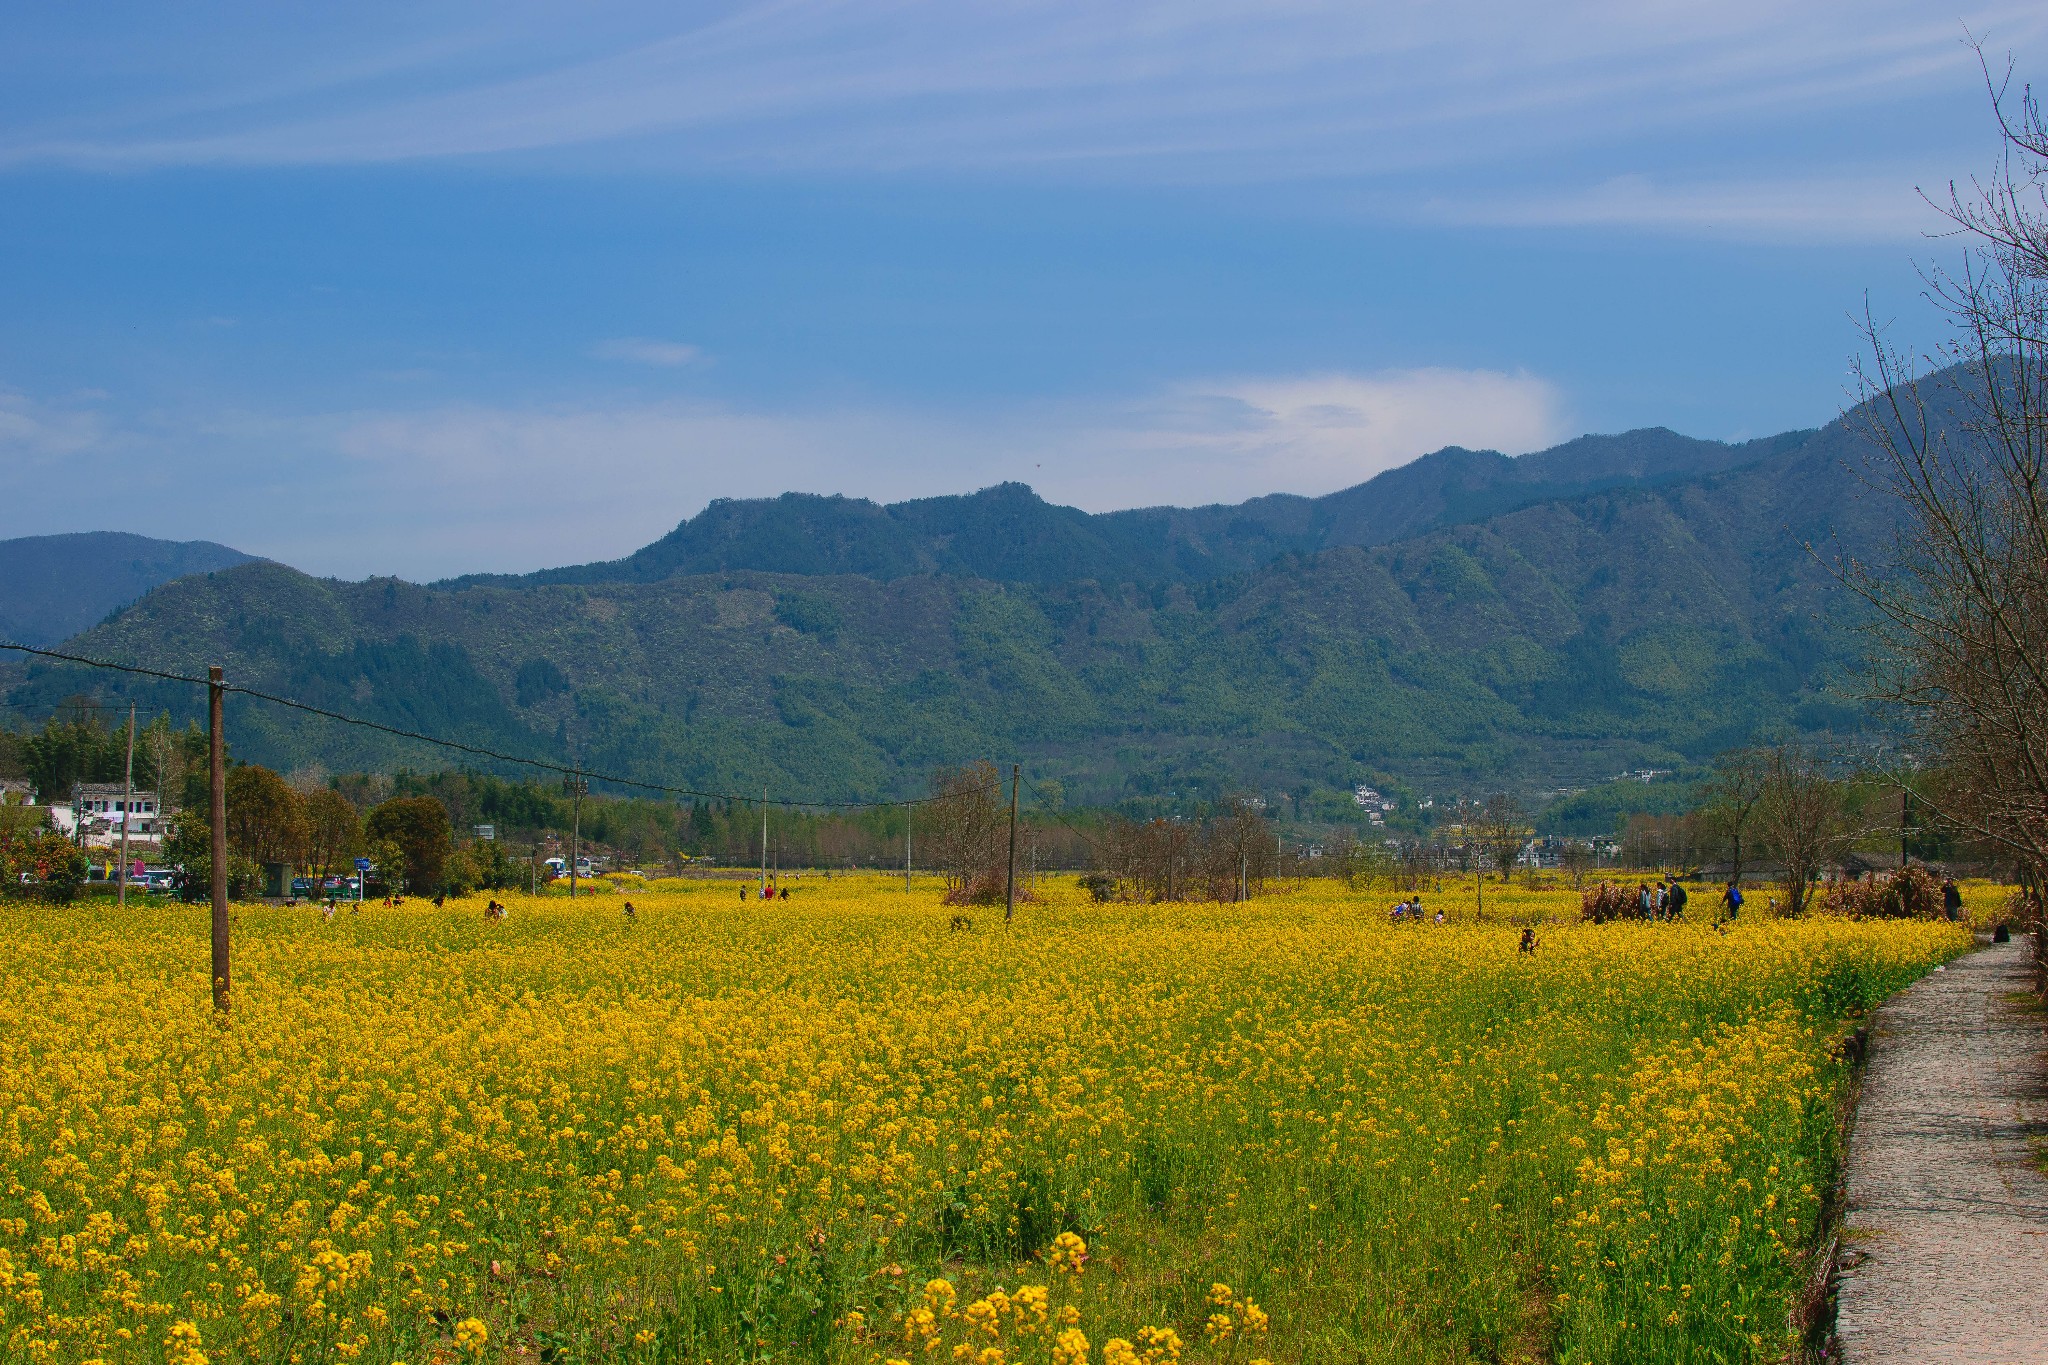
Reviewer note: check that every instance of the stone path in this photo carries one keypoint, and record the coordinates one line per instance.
(1946, 1238)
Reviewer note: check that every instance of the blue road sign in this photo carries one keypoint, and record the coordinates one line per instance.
(362, 864)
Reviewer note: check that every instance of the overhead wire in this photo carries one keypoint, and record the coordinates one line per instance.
(547, 765)
(1056, 814)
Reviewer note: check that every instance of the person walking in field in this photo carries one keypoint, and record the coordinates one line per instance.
(1528, 941)
(1678, 899)
(1951, 900)
(1646, 904)
(1731, 900)
(631, 914)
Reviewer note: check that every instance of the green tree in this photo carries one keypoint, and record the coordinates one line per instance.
(267, 821)
(482, 866)
(419, 827)
(74, 745)
(190, 851)
(333, 830)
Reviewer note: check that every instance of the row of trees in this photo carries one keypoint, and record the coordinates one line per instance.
(1221, 855)
(408, 839)
(82, 741)
(1790, 804)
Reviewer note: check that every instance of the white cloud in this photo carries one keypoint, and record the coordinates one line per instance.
(647, 351)
(1235, 439)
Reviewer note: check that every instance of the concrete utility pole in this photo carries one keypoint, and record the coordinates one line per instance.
(764, 838)
(907, 816)
(217, 811)
(1010, 871)
(127, 808)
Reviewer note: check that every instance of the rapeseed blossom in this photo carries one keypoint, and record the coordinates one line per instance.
(841, 1131)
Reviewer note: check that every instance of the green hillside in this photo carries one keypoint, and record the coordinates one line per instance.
(1556, 643)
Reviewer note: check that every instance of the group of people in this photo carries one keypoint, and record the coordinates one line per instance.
(768, 892)
(1665, 899)
(1410, 911)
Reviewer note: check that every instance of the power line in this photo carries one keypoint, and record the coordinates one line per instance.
(474, 749)
(1057, 815)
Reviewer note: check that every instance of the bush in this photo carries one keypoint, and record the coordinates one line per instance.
(1607, 901)
(1908, 894)
(986, 888)
(40, 864)
(1100, 886)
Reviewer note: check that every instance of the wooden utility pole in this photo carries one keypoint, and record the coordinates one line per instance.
(575, 786)
(1010, 871)
(908, 815)
(217, 812)
(1905, 820)
(127, 807)
(764, 838)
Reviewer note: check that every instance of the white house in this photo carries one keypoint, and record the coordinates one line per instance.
(102, 808)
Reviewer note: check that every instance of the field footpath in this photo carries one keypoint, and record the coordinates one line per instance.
(1945, 1246)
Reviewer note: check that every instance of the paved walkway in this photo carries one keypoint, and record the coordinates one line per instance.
(1946, 1247)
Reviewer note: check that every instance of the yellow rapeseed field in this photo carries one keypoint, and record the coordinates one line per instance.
(842, 1130)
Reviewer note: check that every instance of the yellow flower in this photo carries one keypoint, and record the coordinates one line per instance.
(181, 1344)
(471, 1335)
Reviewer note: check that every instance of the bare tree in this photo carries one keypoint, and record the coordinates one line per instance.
(1962, 608)
(1807, 815)
(968, 824)
(1236, 850)
(1501, 829)
(1727, 814)
(1576, 858)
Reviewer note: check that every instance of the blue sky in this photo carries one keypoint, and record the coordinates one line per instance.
(430, 288)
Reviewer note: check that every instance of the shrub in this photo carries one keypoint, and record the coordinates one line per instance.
(40, 864)
(1607, 901)
(1100, 886)
(1908, 894)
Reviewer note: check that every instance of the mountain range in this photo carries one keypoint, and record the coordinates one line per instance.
(1616, 602)
(55, 586)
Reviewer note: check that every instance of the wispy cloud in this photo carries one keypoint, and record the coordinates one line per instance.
(457, 488)
(647, 351)
(37, 435)
(1824, 209)
(1221, 88)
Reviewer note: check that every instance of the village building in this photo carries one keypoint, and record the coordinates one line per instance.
(99, 809)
